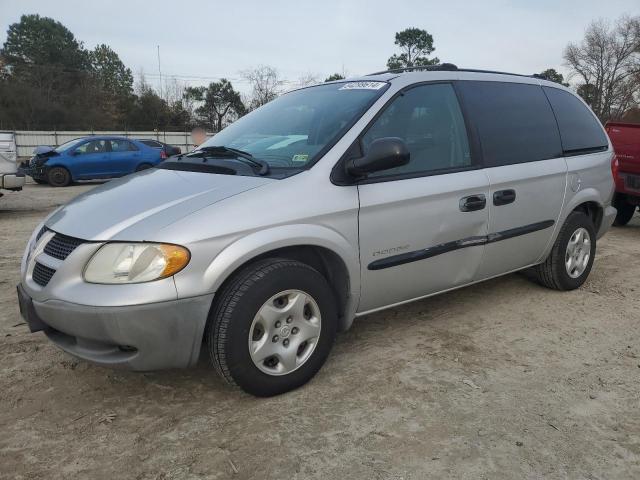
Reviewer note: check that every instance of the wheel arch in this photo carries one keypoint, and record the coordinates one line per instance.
(320, 247)
(67, 167)
(588, 201)
(593, 210)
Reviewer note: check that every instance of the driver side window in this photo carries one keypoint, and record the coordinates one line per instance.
(429, 120)
(94, 146)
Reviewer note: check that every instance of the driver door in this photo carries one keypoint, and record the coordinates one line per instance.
(91, 159)
(421, 225)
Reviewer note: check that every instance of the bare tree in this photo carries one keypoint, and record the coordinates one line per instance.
(266, 84)
(607, 63)
(173, 90)
(307, 80)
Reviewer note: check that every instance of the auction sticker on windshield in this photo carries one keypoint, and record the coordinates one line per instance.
(362, 86)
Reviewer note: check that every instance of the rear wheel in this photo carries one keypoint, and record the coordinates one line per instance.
(58, 177)
(272, 327)
(143, 166)
(625, 211)
(571, 258)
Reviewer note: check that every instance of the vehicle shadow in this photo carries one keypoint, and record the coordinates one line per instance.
(192, 385)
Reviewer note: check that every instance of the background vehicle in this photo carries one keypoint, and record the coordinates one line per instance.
(90, 158)
(330, 202)
(625, 138)
(169, 150)
(10, 179)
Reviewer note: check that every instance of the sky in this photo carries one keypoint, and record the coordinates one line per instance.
(202, 41)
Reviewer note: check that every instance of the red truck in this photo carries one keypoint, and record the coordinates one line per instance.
(625, 138)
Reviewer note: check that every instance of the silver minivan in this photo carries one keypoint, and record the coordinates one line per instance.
(329, 203)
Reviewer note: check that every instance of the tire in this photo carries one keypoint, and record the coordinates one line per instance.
(143, 166)
(234, 317)
(625, 211)
(553, 272)
(58, 177)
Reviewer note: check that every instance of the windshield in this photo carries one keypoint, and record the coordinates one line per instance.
(294, 130)
(68, 145)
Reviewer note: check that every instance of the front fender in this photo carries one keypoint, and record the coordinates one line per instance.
(59, 162)
(263, 241)
(250, 246)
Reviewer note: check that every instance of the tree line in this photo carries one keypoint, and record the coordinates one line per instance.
(49, 79)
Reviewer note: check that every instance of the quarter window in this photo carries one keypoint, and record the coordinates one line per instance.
(514, 122)
(429, 120)
(579, 128)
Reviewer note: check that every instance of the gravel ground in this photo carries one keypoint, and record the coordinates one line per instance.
(501, 380)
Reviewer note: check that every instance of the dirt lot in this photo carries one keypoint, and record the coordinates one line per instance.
(500, 380)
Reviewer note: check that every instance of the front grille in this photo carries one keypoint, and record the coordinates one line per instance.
(42, 274)
(61, 246)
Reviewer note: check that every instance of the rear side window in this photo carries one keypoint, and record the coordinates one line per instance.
(579, 129)
(514, 122)
(122, 146)
(152, 143)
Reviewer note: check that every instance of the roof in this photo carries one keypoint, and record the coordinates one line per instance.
(448, 67)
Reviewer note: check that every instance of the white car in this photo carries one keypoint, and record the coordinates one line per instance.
(10, 179)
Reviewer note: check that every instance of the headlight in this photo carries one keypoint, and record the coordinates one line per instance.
(135, 262)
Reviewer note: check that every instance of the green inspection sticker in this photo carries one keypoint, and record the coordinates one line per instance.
(300, 158)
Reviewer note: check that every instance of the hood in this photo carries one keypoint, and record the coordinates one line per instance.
(42, 154)
(136, 206)
(44, 150)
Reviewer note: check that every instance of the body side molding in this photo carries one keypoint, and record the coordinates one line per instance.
(429, 252)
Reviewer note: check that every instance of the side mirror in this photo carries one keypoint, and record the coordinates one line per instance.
(384, 153)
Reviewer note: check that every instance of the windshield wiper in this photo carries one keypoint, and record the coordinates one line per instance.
(235, 153)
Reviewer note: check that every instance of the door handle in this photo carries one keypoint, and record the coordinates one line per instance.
(503, 197)
(473, 203)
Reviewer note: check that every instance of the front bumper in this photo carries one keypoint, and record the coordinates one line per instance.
(37, 172)
(12, 181)
(138, 337)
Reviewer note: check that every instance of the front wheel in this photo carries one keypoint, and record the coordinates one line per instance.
(58, 177)
(272, 326)
(571, 258)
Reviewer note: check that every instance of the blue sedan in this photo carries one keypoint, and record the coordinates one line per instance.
(90, 158)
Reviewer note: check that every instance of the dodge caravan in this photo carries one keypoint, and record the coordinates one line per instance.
(329, 203)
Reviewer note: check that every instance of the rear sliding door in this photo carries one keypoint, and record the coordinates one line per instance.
(523, 159)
